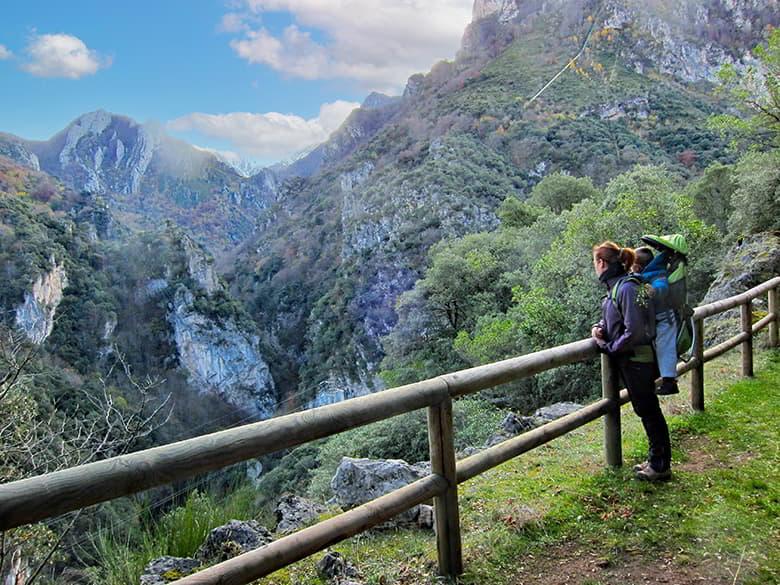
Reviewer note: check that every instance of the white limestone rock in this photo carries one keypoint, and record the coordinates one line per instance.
(221, 358)
(35, 317)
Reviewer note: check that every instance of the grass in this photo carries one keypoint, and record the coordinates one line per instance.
(122, 552)
(558, 509)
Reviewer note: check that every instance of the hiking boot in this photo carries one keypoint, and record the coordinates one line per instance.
(668, 386)
(641, 466)
(650, 474)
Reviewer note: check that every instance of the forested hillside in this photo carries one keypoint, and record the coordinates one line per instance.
(152, 292)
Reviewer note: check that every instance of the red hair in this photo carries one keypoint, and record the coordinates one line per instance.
(611, 253)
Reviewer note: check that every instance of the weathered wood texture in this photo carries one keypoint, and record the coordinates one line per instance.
(489, 458)
(732, 302)
(490, 375)
(36, 498)
(774, 313)
(258, 563)
(442, 450)
(697, 373)
(746, 319)
(610, 390)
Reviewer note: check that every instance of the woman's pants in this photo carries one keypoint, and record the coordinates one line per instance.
(639, 378)
(666, 343)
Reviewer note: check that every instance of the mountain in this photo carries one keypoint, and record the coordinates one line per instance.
(147, 176)
(319, 251)
(353, 231)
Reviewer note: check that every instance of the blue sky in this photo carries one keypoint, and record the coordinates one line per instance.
(261, 78)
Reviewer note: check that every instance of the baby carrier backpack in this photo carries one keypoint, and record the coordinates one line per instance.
(677, 247)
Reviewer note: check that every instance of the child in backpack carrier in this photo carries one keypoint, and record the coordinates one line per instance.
(652, 271)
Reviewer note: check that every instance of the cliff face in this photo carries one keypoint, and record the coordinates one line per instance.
(142, 172)
(685, 39)
(35, 317)
(222, 359)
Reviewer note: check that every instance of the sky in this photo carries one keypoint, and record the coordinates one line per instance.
(261, 79)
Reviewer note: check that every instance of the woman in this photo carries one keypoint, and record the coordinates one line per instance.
(625, 333)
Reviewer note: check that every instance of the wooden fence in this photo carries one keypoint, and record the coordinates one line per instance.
(37, 498)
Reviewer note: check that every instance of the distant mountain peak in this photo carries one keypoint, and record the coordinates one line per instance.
(506, 9)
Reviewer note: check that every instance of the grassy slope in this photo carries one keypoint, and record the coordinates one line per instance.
(556, 515)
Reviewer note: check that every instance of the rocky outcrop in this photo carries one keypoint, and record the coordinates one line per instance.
(294, 512)
(12, 147)
(358, 481)
(549, 413)
(232, 539)
(222, 543)
(503, 10)
(168, 569)
(334, 568)
(200, 266)
(751, 261)
(686, 39)
(221, 358)
(637, 108)
(35, 317)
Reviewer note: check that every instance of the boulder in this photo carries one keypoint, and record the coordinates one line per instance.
(516, 425)
(232, 539)
(293, 512)
(467, 452)
(557, 410)
(358, 481)
(751, 261)
(334, 567)
(168, 569)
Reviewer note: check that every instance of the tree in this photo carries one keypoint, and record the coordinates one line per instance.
(756, 199)
(559, 191)
(36, 437)
(712, 194)
(755, 91)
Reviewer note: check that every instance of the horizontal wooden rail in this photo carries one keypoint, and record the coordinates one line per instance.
(490, 375)
(280, 553)
(763, 322)
(511, 448)
(732, 302)
(727, 345)
(36, 498)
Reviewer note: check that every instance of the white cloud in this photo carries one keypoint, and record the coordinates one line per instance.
(376, 42)
(62, 55)
(233, 22)
(271, 136)
(5, 53)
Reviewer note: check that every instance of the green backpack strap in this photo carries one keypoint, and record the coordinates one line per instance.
(614, 293)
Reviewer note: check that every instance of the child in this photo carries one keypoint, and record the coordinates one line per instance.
(652, 271)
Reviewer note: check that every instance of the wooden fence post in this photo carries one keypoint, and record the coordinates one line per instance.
(442, 449)
(610, 389)
(773, 310)
(697, 374)
(746, 311)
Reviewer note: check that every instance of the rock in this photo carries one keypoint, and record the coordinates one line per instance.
(168, 569)
(232, 539)
(221, 358)
(254, 469)
(358, 481)
(515, 425)
(496, 439)
(293, 512)
(334, 567)
(751, 261)
(425, 517)
(557, 410)
(467, 452)
(35, 317)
